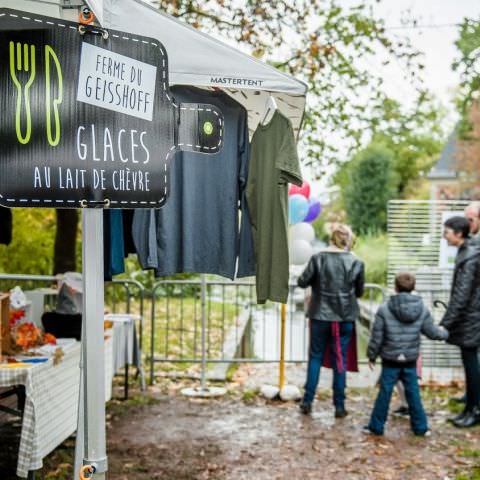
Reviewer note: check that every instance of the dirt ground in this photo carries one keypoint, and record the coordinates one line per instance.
(163, 435)
(255, 439)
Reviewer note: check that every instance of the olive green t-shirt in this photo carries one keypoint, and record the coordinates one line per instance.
(273, 164)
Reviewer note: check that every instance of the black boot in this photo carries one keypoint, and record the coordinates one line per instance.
(469, 420)
(306, 408)
(340, 413)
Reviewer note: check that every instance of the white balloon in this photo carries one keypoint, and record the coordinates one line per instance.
(301, 252)
(303, 231)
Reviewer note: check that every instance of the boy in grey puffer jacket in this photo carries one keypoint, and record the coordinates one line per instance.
(395, 338)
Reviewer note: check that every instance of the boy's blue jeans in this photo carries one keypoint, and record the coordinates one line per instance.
(320, 334)
(388, 379)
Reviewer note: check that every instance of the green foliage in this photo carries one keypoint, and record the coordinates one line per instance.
(332, 213)
(330, 46)
(468, 65)
(371, 184)
(373, 250)
(415, 140)
(31, 250)
(147, 278)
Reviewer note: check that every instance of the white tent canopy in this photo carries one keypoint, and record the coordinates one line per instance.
(194, 57)
(200, 60)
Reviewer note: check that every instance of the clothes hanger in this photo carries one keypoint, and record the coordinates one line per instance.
(270, 108)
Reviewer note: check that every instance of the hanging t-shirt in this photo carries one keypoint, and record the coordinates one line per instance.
(199, 230)
(144, 232)
(273, 163)
(5, 226)
(129, 246)
(113, 246)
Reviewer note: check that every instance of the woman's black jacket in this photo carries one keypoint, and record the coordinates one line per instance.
(337, 279)
(462, 318)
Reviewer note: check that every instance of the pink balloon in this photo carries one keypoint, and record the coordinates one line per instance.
(303, 190)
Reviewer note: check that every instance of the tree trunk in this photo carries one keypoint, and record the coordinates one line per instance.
(65, 241)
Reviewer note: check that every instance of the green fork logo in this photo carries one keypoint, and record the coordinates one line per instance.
(23, 72)
(22, 65)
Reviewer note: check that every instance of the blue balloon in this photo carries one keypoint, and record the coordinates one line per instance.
(297, 208)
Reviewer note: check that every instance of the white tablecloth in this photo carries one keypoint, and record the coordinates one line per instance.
(125, 341)
(51, 405)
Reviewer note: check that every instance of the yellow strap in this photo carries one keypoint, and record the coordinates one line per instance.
(86, 469)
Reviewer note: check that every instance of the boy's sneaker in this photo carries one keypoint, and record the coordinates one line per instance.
(366, 430)
(428, 433)
(401, 412)
(306, 408)
(340, 413)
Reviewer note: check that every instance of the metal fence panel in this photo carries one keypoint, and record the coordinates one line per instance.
(237, 329)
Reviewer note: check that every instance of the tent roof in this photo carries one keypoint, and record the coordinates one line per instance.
(200, 60)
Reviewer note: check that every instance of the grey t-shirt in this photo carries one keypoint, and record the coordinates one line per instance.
(200, 229)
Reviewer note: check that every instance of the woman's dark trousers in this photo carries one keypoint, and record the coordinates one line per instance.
(472, 377)
(320, 335)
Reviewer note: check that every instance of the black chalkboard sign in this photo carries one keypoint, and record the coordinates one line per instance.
(87, 118)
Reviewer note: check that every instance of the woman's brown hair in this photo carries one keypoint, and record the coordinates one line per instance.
(342, 237)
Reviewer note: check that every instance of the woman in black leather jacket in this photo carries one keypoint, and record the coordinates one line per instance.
(337, 280)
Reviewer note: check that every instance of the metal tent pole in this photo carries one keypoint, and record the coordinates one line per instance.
(80, 437)
(93, 343)
(204, 391)
(204, 329)
(281, 380)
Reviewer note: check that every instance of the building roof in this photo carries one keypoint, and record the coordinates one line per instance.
(445, 168)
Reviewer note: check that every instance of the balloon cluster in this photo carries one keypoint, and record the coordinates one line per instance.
(302, 211)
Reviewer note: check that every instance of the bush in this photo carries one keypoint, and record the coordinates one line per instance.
(373, 249)
(371, 184)
(31, 250)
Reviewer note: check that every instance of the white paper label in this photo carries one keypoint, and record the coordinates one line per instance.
(116, 82)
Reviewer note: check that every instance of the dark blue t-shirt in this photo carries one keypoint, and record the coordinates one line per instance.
(204, 226)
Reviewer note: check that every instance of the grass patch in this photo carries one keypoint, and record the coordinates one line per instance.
(248, 396)
(474, 474)
(178, 326)
(231, 371)
(455, 407)
(469, 453)
(119, 407)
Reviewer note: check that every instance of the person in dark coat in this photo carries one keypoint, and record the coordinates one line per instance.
(395, 339)
(462, 318)
(337, 279)
(472, 214)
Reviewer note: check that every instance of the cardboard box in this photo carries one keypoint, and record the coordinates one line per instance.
(5, 340)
